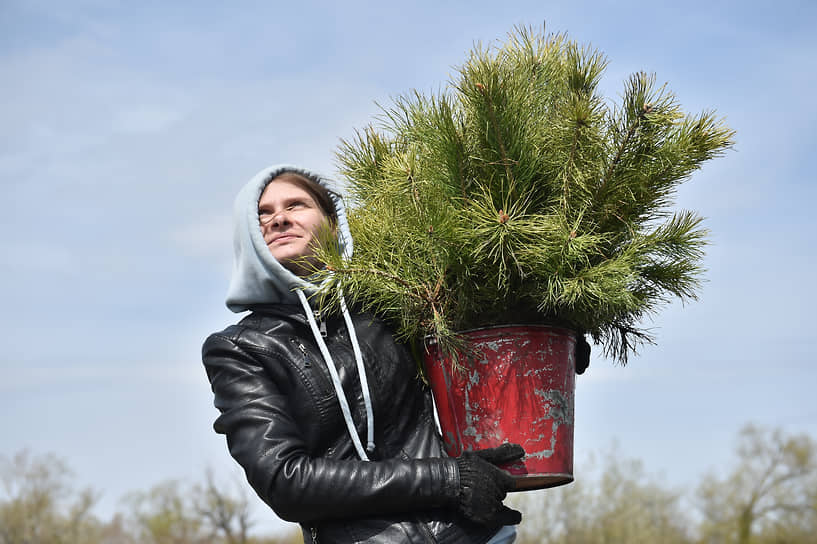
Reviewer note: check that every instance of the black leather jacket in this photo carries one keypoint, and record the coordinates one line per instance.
(284, 426)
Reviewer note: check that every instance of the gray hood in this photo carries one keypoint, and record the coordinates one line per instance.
(258, 278)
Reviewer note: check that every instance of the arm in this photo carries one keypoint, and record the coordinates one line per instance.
(264, 438)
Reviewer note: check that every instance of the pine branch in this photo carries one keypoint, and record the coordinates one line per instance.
(506, 162)
(518, 192)
(620, 151)
(411, 290)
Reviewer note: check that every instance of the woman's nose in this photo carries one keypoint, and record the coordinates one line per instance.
(277, 219)
(280, 218)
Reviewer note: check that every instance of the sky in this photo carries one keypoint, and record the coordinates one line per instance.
(128, 128)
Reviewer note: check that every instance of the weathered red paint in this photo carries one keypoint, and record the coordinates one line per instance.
(517, 387)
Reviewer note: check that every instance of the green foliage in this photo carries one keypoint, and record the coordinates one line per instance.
(173, 512)
(519, 193)
(38, 503)
(611, 503)
(162, 515)
(769, 496)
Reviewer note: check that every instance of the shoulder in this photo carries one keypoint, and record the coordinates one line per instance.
(261, 344)
(257, 329)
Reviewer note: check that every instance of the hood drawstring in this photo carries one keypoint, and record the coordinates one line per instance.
(361, 370)
(330, 365)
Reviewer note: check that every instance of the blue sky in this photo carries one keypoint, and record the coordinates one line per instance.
(128, 128)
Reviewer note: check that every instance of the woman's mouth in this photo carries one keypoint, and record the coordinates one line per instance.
(282, 238)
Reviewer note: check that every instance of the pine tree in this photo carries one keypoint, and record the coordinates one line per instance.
(520, 195)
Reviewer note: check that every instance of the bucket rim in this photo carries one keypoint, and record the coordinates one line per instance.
(429, 340)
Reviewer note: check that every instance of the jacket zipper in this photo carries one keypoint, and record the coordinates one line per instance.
(302, 349)
(321, 323)
(425, 530)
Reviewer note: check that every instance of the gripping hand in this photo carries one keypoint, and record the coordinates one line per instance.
(483, 485)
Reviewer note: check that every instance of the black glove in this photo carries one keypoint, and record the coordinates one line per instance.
(582, 354)
(483, 486)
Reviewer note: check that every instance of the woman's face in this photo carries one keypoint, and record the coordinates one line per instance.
(290, 220)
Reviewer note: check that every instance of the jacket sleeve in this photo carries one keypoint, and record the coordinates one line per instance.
(265, 440)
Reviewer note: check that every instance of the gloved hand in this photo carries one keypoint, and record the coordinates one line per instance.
(582, 354)
(483, 486)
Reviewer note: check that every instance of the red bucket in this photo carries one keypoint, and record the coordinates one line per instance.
(518, 387)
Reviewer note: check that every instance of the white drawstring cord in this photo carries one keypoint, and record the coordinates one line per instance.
(361, 370)
(330, 365)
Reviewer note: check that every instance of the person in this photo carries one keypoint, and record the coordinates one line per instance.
(326, 414)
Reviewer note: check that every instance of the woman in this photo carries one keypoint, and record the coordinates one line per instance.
(325, 413)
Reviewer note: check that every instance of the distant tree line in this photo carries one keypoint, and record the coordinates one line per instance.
(40, 505)
(768, 497)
